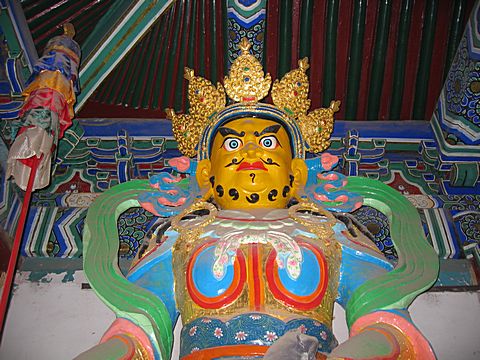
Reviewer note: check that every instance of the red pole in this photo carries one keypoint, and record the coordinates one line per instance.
(12, 263)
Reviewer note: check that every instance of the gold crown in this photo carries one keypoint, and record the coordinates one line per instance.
(247, 84)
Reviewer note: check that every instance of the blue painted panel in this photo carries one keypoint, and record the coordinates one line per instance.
(383, 130)
(309, 278)
(134, 127)
(205, 282)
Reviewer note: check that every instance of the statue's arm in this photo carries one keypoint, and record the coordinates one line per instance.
(122, 340)
(153, 272)
(143, 312)
(376, 304)
(385, 334)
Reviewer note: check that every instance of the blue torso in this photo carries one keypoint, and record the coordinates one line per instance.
(284, 286)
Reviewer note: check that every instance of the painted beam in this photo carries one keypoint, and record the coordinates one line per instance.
(126, 28)
(19, 23)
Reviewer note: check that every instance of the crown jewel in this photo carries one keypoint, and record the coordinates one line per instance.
(246, 81)
(247, 84)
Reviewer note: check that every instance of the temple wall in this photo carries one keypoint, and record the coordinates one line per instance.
(55, 318)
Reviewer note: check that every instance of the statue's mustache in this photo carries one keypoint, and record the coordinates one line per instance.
(235, 161)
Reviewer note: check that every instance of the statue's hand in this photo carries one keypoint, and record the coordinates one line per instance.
(376, 341)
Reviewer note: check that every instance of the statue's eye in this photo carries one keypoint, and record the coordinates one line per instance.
(269, 142)
(232, 144)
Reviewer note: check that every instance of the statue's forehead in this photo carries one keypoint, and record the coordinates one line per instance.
(250, 125)
(251, 122)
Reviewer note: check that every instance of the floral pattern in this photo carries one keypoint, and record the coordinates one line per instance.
(378, 225)
(462, 86)
(254, 35)
(470, 226)
(457, 80)
(471, 100)
(462, 202)
(241, 336)
(133, 227)
(249, 329)
(218, 333)
(270, 336)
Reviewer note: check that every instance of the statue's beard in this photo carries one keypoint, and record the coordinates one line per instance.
(266, 196)
(237, 194)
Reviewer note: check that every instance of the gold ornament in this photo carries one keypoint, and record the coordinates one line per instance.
(291, 93)
(194, 237)
(323, 228)
(317, 126)
(69, 30)
(204, 100)
(203, 97)
(187, 130)
(246, 85)
(188, 235)
(246, 81)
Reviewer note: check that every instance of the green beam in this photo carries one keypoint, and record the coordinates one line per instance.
(201, 69)
(379, 55)
(306, 29)
(401, 59)
(355, 60)
(214, 27)
(226, 61)
(130, 26)
(423, 74)
(192, 44)
(164, 53)
(155, 38)
(172, 56)
(285, 38)
(330, 52)
(187, 18)
(18, 37)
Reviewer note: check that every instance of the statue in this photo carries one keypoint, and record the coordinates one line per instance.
(253, 257)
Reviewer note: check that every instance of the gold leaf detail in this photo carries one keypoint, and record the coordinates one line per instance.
(317, 127)
(291, 93)
(187, 130)
(246, 81)
(205, 99)
(247, 84)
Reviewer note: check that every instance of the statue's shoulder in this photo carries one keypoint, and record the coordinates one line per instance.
(357, 242)
(156, 246)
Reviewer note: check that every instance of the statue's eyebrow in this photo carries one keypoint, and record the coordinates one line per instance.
(269, 129)
(228, 131)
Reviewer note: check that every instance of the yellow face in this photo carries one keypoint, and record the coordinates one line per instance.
(251, 165)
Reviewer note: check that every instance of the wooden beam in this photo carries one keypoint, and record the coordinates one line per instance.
(125, 24)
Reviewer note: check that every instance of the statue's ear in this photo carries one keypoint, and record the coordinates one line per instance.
(300, 176)
(203, 174)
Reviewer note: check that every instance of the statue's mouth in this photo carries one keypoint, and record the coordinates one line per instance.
(257, 165)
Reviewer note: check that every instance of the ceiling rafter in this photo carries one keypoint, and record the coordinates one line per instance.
(101, 59)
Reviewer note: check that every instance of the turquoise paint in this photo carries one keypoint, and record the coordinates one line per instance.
(205, 281)
(43, 276)
(309, 279)
(39, 276)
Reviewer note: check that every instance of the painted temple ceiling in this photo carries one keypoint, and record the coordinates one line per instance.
(387, 63)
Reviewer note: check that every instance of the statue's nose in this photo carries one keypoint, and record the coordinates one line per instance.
(251, 148)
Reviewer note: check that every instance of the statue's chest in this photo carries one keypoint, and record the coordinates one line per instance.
(257, 269)
(252, 265)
